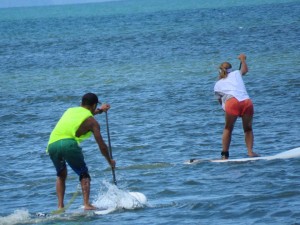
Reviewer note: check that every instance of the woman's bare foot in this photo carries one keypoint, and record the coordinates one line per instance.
(89, 207)
(253, 154)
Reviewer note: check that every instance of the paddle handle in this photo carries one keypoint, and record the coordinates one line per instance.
(109, 148)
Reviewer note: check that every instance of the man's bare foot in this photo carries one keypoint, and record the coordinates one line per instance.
(89, 207)
(253, 154)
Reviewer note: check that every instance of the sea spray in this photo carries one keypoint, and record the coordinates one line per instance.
(111, 197)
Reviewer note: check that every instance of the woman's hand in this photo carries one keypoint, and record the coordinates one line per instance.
(244, 67)
(242, 57)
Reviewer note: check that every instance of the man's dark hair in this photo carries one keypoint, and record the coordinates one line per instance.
(89, 99)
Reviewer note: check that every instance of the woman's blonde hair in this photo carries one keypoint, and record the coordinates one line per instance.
(224, 70)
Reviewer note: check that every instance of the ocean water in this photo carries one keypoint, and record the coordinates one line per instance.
(156, 63)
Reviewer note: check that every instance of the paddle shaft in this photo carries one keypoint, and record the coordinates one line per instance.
(109, 147)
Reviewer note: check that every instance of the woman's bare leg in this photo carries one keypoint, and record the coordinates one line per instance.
(249, 137)
(229, 125)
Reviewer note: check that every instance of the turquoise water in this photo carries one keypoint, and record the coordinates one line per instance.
(156, 64)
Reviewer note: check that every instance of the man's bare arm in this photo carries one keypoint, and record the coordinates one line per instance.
(90, 124)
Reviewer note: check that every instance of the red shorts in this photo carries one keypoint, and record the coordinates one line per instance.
(236, 108)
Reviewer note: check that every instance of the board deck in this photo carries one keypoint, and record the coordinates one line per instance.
(76, 213)
(293, 153)
(104, 211)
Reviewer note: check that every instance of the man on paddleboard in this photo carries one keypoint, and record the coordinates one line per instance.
(76, 125)
(232, 95)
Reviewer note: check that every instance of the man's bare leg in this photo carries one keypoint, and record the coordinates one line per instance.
(61, 187)
(85, 185)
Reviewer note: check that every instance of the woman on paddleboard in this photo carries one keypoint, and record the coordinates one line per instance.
(231, 93)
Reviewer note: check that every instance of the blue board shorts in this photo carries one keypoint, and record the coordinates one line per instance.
(68, 150)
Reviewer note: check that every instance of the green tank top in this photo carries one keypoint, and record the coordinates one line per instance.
(69, 124)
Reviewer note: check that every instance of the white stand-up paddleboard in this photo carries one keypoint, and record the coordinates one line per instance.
(103, 211)
(293, 153)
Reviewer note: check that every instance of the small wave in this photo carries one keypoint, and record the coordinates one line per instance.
(17, 217)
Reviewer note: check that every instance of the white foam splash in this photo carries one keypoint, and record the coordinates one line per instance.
(19, 215)
(115, 198)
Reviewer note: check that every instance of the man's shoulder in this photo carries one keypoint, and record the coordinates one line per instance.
(91, 121)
